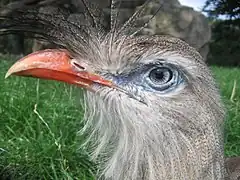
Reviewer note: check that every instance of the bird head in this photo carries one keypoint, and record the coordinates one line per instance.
(152, 108)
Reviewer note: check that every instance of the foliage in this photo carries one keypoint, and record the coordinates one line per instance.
(225, 44)
(229, 82)
(229, 8)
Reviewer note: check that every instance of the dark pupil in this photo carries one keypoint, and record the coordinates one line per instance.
(160, 75)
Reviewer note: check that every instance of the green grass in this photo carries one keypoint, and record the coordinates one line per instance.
(40, 119)
(38, 132)
(229, 83)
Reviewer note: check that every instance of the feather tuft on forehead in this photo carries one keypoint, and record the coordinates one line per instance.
(57, 26)
(53, 27)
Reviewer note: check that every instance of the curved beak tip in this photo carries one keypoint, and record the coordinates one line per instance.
(10, 72)
(19, 66)
(56, 65)
(7, 75)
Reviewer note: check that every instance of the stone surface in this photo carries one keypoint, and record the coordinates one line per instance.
(173, 19)
(181, 22)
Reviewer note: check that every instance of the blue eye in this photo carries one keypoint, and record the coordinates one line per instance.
(162, 78)
(160, 75)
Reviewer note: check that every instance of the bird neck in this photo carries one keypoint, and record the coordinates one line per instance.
(130, 148)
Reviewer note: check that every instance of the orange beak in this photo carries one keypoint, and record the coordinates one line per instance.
(55, 64)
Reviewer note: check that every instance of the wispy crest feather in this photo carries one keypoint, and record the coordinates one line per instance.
(55, 27)
(52, 27)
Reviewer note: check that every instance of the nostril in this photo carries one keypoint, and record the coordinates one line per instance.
(77, 65)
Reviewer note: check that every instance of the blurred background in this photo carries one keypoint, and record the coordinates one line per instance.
(39, 120)
(211, 26)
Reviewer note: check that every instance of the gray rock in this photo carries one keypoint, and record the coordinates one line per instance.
(179, 21)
